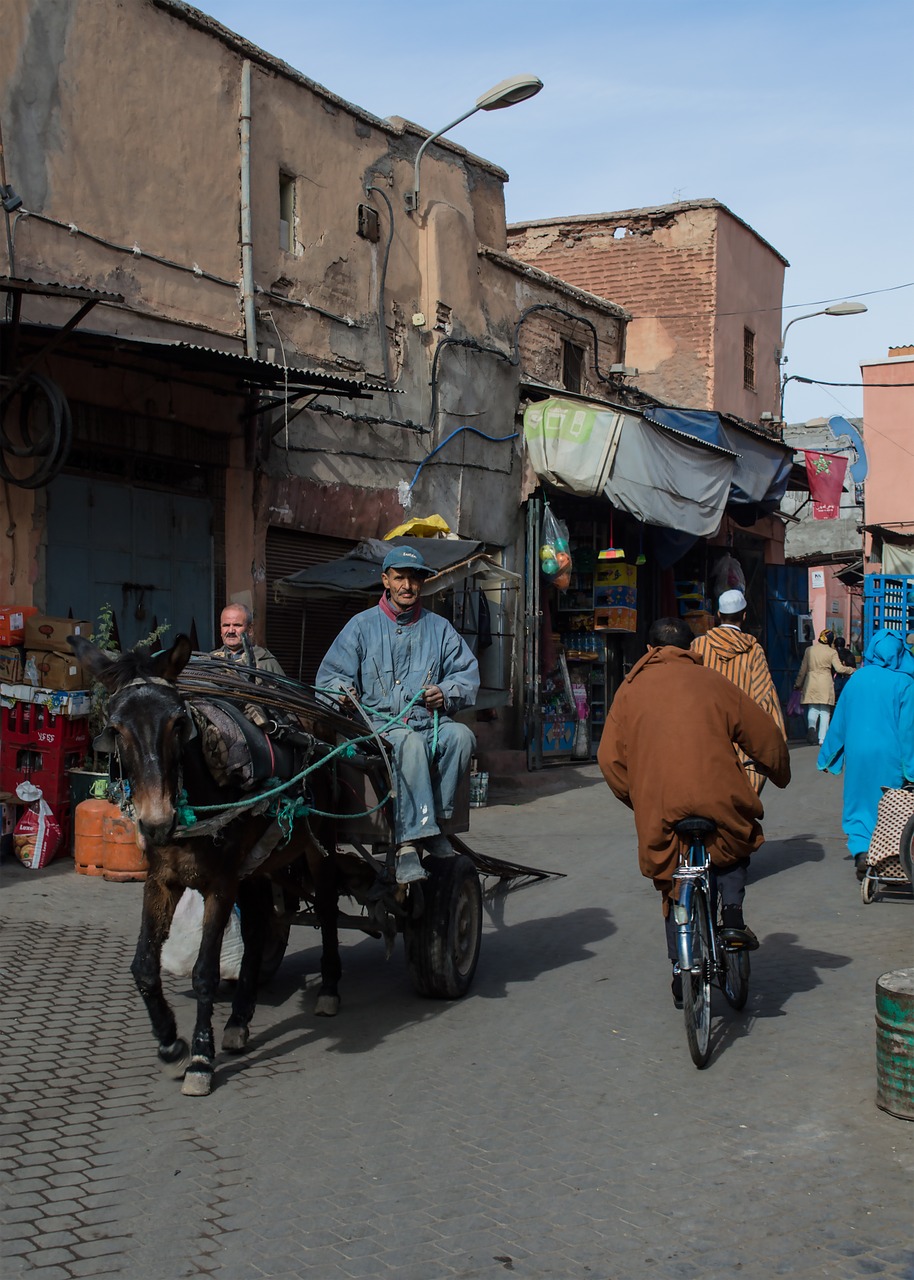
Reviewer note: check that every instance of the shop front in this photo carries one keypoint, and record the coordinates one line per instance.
(631, 519)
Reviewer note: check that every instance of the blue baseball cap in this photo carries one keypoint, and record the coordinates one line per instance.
(407, 558)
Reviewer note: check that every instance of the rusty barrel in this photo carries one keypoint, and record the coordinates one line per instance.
(895, 1043)
(123, 858)
(88, 840)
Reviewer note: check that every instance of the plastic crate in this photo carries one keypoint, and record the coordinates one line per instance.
(32, 724)
(47, 769)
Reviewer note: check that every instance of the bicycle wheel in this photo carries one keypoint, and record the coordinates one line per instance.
(696, 986)
(736, 975)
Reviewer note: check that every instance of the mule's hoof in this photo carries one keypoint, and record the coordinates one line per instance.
(327, 1006)
(235, 1039)
(198, 1079)
(175, 1059)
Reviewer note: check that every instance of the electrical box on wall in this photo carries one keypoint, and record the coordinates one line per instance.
(805, 634)
(369, 223)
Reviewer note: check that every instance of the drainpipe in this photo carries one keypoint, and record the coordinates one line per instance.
(247, 243)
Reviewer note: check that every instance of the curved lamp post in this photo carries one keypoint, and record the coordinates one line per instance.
(505, 94)
(836, 309)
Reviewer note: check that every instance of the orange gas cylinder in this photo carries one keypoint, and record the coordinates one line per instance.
(122, 857)
(88, 840)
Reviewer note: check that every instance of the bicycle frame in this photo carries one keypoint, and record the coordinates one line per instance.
(695, 869)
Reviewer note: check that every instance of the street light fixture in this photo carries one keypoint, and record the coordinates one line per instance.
(505, 94)
(836, 309)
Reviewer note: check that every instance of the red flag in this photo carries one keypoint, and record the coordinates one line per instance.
(825, 472)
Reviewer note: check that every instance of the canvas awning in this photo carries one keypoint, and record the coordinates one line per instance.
(358, 573)
(761, 466)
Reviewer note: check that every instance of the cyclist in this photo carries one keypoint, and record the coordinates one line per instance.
(667, 752)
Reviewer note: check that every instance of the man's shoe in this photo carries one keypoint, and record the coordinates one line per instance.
(676, 987)
(812, 737)
(861, 865)
(735, 931)
(439, 845)
(409, 868)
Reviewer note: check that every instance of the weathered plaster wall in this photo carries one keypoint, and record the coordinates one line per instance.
(750, 288)
(888, 416)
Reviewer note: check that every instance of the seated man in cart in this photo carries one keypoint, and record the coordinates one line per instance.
(410, 671)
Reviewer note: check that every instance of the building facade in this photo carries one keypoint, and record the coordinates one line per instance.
(703, 287)
(262, 356)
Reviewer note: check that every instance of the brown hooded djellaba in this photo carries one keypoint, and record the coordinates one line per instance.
(667, 752)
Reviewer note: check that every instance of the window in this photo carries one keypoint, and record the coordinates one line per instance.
(572, 366)
(748, 360)
(286, 212)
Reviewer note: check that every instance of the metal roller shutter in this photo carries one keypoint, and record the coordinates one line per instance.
(300, 633)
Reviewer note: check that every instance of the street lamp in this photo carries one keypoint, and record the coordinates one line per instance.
(836, 309)
(505, 94)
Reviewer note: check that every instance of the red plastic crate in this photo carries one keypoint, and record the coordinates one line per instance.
(31, 724)
(45, 769)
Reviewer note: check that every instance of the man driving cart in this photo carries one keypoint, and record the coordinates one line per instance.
(410, 671)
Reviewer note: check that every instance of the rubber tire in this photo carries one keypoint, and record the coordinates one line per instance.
(906, 850)
(735, 984)
(696, 987)
(442, 945)
(868, 887)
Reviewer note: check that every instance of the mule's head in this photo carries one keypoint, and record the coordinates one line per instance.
(148, 726)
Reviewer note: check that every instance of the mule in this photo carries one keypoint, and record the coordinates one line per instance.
(152, 733)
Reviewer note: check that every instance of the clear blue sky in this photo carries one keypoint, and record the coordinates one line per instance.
(796, 114)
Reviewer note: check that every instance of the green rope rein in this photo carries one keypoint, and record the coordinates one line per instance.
(286, 811)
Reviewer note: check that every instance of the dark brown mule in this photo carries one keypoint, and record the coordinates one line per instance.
(160, 755)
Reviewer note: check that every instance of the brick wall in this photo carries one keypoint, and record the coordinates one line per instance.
(660, 264)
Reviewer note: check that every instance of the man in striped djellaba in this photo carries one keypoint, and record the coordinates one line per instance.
(739, 656)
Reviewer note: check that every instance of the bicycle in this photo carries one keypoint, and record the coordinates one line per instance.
(704, 956)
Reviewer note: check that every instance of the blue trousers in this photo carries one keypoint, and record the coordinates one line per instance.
(426, 787)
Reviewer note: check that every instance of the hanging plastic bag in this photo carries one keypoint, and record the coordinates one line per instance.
(37, 834)
(795, 703)
(728, 576)
(555, 553)
(182, 946)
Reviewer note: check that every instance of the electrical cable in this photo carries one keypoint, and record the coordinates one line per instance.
(52, 447)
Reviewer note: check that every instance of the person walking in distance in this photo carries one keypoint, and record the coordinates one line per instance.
(816, 680)
(739, 656)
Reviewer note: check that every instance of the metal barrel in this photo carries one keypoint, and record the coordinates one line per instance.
(895, 1043)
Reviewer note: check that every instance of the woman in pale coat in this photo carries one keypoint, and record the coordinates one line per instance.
(816, 678)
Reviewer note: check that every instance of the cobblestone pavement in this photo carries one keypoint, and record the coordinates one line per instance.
(551, 1124)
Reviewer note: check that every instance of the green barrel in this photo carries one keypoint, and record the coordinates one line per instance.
(895, 1043)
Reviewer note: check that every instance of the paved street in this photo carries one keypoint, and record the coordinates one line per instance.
(549, 1125)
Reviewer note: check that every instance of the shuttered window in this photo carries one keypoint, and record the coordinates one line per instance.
(299, 632)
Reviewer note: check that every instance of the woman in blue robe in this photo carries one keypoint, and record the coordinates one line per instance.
(871, 737)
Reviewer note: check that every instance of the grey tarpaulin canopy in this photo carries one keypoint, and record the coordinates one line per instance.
(358, 573)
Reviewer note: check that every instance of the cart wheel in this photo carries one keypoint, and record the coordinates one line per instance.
(442, 945)
(906, 851)
(868, 889)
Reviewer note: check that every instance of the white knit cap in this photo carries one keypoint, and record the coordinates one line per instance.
(731, 602)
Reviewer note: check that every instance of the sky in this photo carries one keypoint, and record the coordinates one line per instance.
(795, 114)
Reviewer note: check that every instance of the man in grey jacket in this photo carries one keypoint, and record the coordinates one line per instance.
(410, 671)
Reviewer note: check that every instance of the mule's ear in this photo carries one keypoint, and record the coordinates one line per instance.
(172, 662)
(98, 663)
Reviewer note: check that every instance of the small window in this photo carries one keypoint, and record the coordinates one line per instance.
(748, 360)
(286, 211)
(572, 366)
